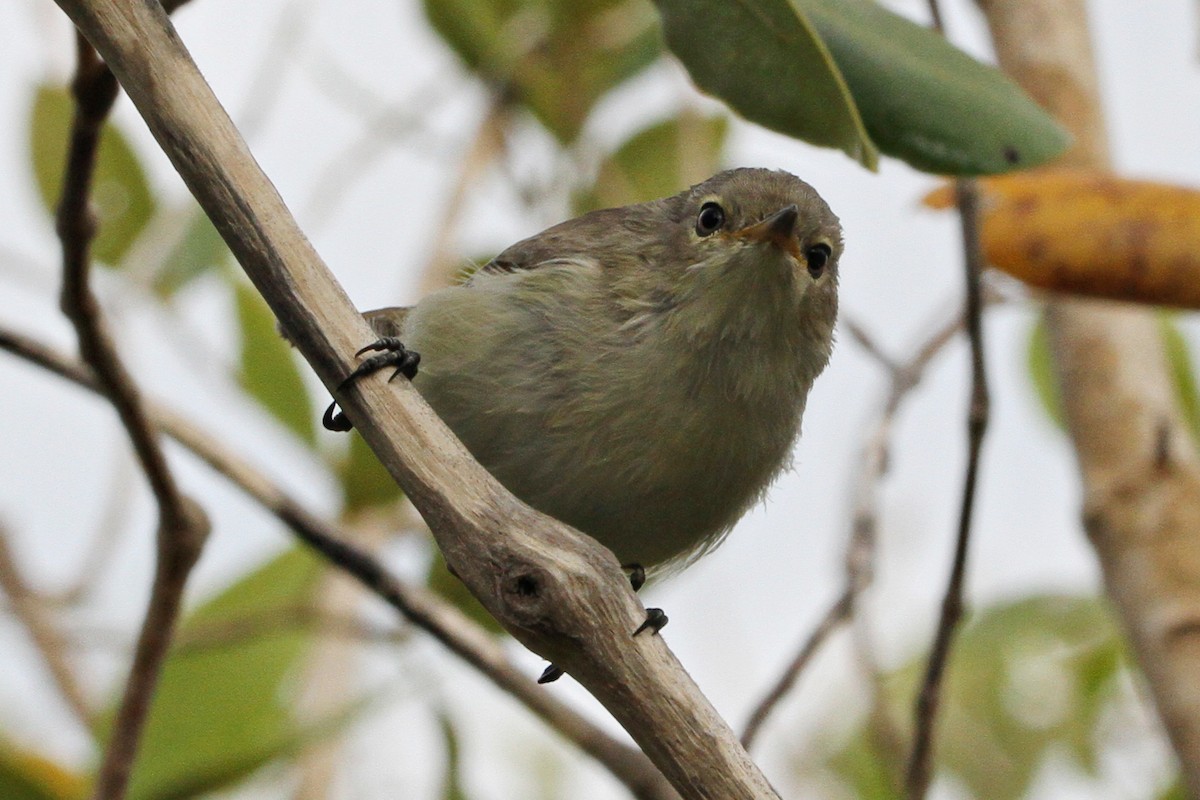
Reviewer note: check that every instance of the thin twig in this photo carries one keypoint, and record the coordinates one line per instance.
(30, 610)
(421, 607)
(182, 525)
(860, 552)
(935, 16)
(830, 622)
(920, 765)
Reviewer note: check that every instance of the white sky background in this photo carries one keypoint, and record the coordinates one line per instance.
(737, 616)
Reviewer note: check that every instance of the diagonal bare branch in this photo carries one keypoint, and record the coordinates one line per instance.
(419, 606)
(557, 591)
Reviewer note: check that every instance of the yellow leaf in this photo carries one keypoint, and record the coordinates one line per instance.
(1092, 233)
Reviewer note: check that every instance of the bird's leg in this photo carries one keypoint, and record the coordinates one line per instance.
(393, 354)
(656, 620)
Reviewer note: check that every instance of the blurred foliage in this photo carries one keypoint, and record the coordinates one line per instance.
(555, 57)
(28, 776)
(1040, 364)
(859, 77)
(1183, 375)
(121, 196)
(439, 579)
(200, 249)
(452, 788)
(1026, 679)
(269, 372)
(364, 480)
(658, 161)
(223, 710)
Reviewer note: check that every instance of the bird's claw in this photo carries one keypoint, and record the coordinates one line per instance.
(392, 353)
(550, 674)
(637, 575)
(656, 620)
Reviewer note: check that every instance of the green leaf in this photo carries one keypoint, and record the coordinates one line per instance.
(867, 768)
(556, 57)
(927, 102)
(1026, 679)
(765, 59)
(199, 250)
(120, 194)
(222, 711)
(269, 371)
(452, 788)
(28, 776)
(657, 161)
(440, 580)
(365, 482)
(1174, 791)
(1179, 359)
(1041, 372)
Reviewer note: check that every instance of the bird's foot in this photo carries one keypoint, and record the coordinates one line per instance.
(392, 353)
(656, 620)
(550, 674)
(637, 575)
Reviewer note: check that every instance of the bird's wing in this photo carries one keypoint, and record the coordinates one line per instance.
(574, 240)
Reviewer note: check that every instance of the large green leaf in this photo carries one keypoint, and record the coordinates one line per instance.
(269, 371)
(557, 57)
(927, 102)
(657, 161)
(222, 711)
(764, 58)
(120, 194)
(851, 74)
(1026, 680)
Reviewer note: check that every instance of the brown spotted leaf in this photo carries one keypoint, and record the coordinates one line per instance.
(1093, 234)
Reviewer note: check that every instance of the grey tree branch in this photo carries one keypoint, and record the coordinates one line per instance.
(419, 606)
(182, 526)
(557, 591)
(1138, 463)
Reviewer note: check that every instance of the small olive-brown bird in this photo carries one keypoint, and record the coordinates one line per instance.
(640, 372)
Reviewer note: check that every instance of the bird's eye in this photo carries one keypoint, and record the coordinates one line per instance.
(710, 219)
(818, 256)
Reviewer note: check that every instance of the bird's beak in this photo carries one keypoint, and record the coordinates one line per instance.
(776, 229)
